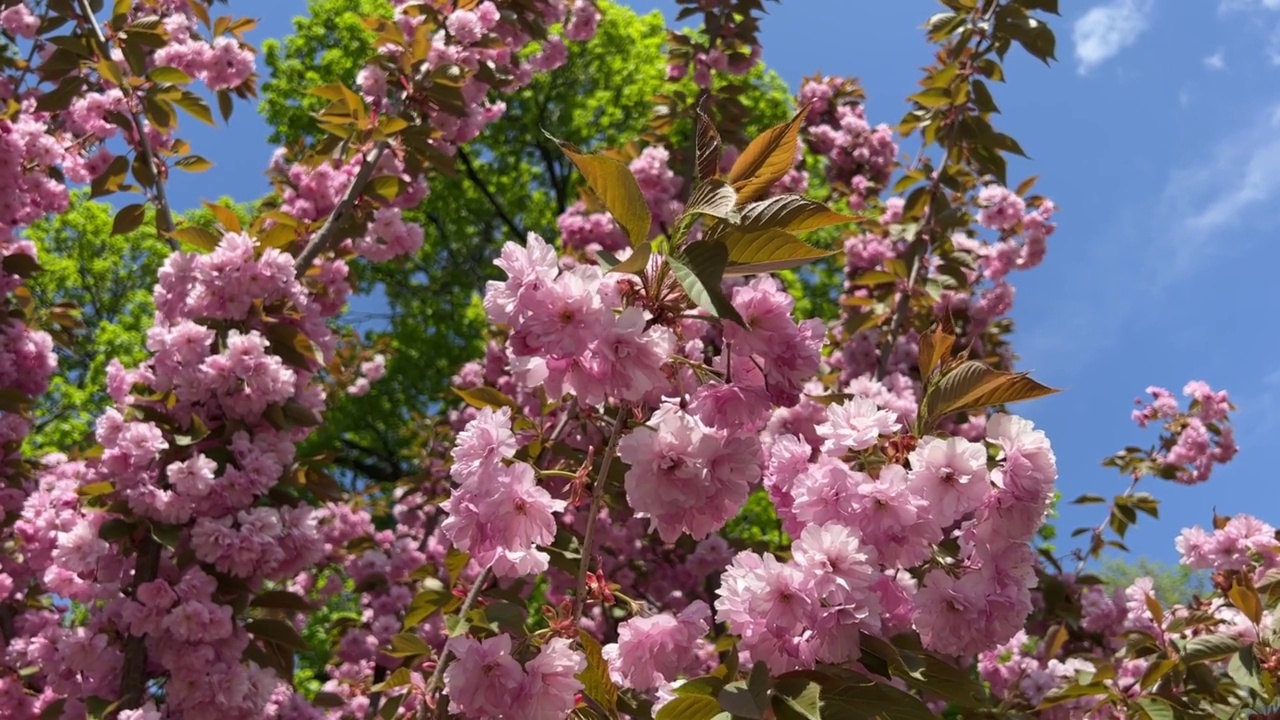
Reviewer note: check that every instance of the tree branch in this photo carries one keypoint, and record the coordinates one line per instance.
(484, 189)
(164, 214)
(327, 235)
(597, 499)
(557, 182)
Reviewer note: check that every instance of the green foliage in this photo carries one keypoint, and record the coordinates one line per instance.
(330, 43)
(320, 635)
(757, 524)
(110, 278)
(1173, 583)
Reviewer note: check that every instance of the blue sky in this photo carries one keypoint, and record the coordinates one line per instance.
(1157, 133)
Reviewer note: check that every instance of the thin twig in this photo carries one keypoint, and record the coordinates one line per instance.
(375, 697)
(597, 499)
(1101, 530)
(445, 656)
(903, 308)
(565, 416)
(475, 178)
(328, 233)
(164, 214)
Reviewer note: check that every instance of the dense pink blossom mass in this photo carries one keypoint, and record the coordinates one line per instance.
(574, 542)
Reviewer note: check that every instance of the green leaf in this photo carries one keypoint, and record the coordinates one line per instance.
(112, 178)
(615, 186)
(1088, 499)
(700, 269)
(225, 216)
(595, 679)
(110, 70)
(197, 237)
(167, 535)
(398, 678)
(193, 163)
(770, 251)
(427, 603)
(859, 696)
(170, 75)
(797, 699)
(1071, 692)
(129, 219)
(1209, 648)
(277, 631)
(793, 213)
(750, 698)
(116, 529)
(293, 346)
(1155, 671)
(709, 685)
(634, 264)
(715, 198)
(1246, 601)
(1155, 708)
(1243, 668)
(690, 707)
(766, 159)
(454, 562)
(972, 385)
(386, 187)
(20, 264)
(95, 489)
(407, 644)
(707, 148)
(483, 397)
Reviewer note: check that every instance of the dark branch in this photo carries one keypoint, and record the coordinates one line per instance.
(474, 176)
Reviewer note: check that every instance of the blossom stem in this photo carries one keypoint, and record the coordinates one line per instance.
(164, 214)
(597, 499)
(446, 656)
(1100, 531)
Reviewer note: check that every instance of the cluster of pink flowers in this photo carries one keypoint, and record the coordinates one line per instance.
(590, 232)
(859, 156)
(898, 515)
(19, 21)
(221, 65)
(565, 334)
(371, 371)
(656, 650)
(498, 513)
(1195, 440)
(218, 374)
(1021, 671)
(687, 477)
(975, 308)
(205, 430)
(485, 681)
(1242, 543)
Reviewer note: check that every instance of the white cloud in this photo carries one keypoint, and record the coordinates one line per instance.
(1102, 32)
(1218, 60)
(1230, 5)
(1221, 193)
